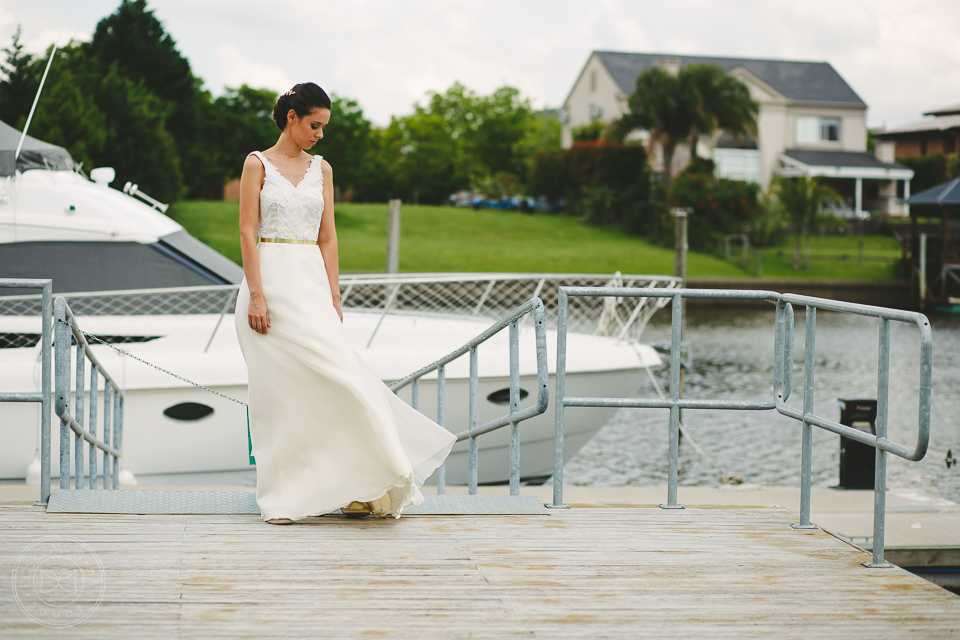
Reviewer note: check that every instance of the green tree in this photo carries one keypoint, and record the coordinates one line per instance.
(137, 145)
(723, 103)
(664, 106)
(134, 40)
(497, 142)
(430, 157)
(240, 121)
(69, 115)
(355, 149)
(18, 84)
(697, 101)
(800, 201)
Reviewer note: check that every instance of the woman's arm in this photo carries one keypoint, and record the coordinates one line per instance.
(327, 238)
(250, 182)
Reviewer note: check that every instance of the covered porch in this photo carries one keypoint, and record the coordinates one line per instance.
(866, 183)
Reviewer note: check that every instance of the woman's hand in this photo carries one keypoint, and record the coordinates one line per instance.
(257, 314)
(336, 305)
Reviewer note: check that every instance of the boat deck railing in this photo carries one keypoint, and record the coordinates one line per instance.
(484, 296)
(516, 414)
(782, 381)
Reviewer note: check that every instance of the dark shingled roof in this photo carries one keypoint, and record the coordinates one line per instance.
(797, 81)
(839, 159)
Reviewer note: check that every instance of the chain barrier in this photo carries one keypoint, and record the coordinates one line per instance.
(150, 364)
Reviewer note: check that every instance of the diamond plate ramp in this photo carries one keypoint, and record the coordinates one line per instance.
(245, 503)
(153, 502)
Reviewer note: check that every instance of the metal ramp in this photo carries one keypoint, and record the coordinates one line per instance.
(245, 503)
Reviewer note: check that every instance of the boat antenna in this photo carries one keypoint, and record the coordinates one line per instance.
(36, 98)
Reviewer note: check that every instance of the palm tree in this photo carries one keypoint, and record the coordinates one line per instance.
(724, 103)
(697, 101)
(664, 106)
(799, 200)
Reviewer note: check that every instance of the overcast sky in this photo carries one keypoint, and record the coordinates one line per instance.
(901, 56)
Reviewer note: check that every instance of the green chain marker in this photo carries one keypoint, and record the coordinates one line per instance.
(249, 441)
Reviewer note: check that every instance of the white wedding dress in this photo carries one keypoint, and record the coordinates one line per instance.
(325, 429)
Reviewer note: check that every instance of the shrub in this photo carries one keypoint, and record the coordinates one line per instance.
(928, 171)
(719, 206)
(605, 183)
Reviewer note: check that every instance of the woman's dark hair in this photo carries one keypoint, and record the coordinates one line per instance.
(303, 99)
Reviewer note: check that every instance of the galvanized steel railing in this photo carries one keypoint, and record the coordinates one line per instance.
(43, 396)
(515, 416)
(110, 445)
(783, 376)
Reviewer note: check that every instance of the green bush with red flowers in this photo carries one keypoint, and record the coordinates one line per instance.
(718, 206)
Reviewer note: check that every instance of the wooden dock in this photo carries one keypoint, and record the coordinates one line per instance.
(617, 571)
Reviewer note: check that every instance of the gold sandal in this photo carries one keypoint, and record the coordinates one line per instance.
(279, 521)
(357, 509)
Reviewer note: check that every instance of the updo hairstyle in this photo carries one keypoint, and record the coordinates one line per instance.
(303, 99)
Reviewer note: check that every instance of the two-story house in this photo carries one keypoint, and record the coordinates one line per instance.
(810, 122)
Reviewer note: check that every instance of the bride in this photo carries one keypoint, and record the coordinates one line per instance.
(326, 432)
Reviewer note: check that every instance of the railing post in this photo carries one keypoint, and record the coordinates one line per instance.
(107, 414)
(45, 386)
(94, 393)
(415, 394)
(561, 392)
(806, 455)
(441, 420)
(117, 422)
(78, 412)
(474, 462)
(880, 473)
(514, 408)
(674, 462)
(62, 381)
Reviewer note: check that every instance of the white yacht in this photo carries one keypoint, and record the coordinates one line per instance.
(140, 282)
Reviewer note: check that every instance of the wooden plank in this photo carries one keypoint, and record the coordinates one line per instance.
(729, 572)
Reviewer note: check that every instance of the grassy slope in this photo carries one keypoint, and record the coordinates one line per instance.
(447, 239)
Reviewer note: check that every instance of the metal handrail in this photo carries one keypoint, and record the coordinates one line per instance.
(113, 397)
(782, 373)
(42, 396)
(515, 416)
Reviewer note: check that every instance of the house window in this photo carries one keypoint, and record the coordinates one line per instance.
(737, 164)
(813, 129)
(593, 82)
(596, 112)
(830, 129)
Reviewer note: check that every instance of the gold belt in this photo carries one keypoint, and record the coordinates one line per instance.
(288, 240)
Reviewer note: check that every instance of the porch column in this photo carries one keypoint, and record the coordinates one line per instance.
(906, 196)
(859, 196)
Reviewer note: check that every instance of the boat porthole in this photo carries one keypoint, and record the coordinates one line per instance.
(188, 411)
(502, 396)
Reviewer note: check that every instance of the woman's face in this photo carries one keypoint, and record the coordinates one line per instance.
(306, 131)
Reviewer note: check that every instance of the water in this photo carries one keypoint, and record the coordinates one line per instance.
(733, 359)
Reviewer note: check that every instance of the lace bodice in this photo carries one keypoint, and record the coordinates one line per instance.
(288, 211)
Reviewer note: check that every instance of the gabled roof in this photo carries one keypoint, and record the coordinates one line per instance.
(952, 110)
(808, 82)
(940, 123)
(944, 194)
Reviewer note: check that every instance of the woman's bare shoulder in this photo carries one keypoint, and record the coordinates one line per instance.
(252, 162)
(325, 167)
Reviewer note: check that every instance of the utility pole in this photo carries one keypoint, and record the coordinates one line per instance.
(393, 236)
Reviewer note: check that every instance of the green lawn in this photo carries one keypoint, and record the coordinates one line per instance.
(827, 260)
(448, 239)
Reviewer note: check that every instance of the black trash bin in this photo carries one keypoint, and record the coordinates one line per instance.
(857, 460)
